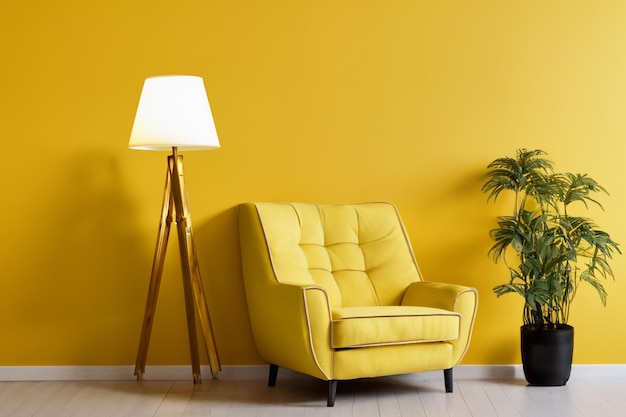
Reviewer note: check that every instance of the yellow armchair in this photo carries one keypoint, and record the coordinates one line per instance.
(334, 292)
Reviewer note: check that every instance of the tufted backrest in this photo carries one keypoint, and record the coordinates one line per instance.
(358, 252)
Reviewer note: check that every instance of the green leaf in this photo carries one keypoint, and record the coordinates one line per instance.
(556, 251)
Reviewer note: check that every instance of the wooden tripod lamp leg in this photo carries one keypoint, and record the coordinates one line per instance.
(176, 207)
(191, 314)
(191, 270)
(155, 277)
(205, 319)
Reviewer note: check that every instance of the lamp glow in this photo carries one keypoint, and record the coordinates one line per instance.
(173, 111)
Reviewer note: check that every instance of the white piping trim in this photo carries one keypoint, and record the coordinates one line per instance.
(471, 329)
(308, 324)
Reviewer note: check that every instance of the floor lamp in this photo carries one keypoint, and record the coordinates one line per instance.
(174, 114)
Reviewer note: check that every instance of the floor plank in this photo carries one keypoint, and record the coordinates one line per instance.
(401, 396)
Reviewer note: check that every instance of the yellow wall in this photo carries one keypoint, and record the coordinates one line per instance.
(326, 101)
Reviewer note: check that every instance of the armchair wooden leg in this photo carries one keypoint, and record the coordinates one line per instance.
(332, 392)
(447, 377)
(271, 381)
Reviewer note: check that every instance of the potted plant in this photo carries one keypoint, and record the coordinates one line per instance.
(549, 252)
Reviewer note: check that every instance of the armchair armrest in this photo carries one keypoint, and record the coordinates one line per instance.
(299, 335)
(452, 297)
(435, 294)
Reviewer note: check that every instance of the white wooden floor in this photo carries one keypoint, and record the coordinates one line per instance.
(389, 397)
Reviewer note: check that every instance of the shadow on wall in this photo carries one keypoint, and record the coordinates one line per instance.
(219, 256)
(443, 228)
(91, 249)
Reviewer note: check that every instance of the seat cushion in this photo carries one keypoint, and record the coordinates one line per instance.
(387, 325)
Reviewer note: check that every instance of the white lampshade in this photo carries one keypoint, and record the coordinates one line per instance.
(173, 111)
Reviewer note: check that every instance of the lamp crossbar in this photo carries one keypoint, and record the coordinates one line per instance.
(176, 209)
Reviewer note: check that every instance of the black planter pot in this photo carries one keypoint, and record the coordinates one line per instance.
(547, 354)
